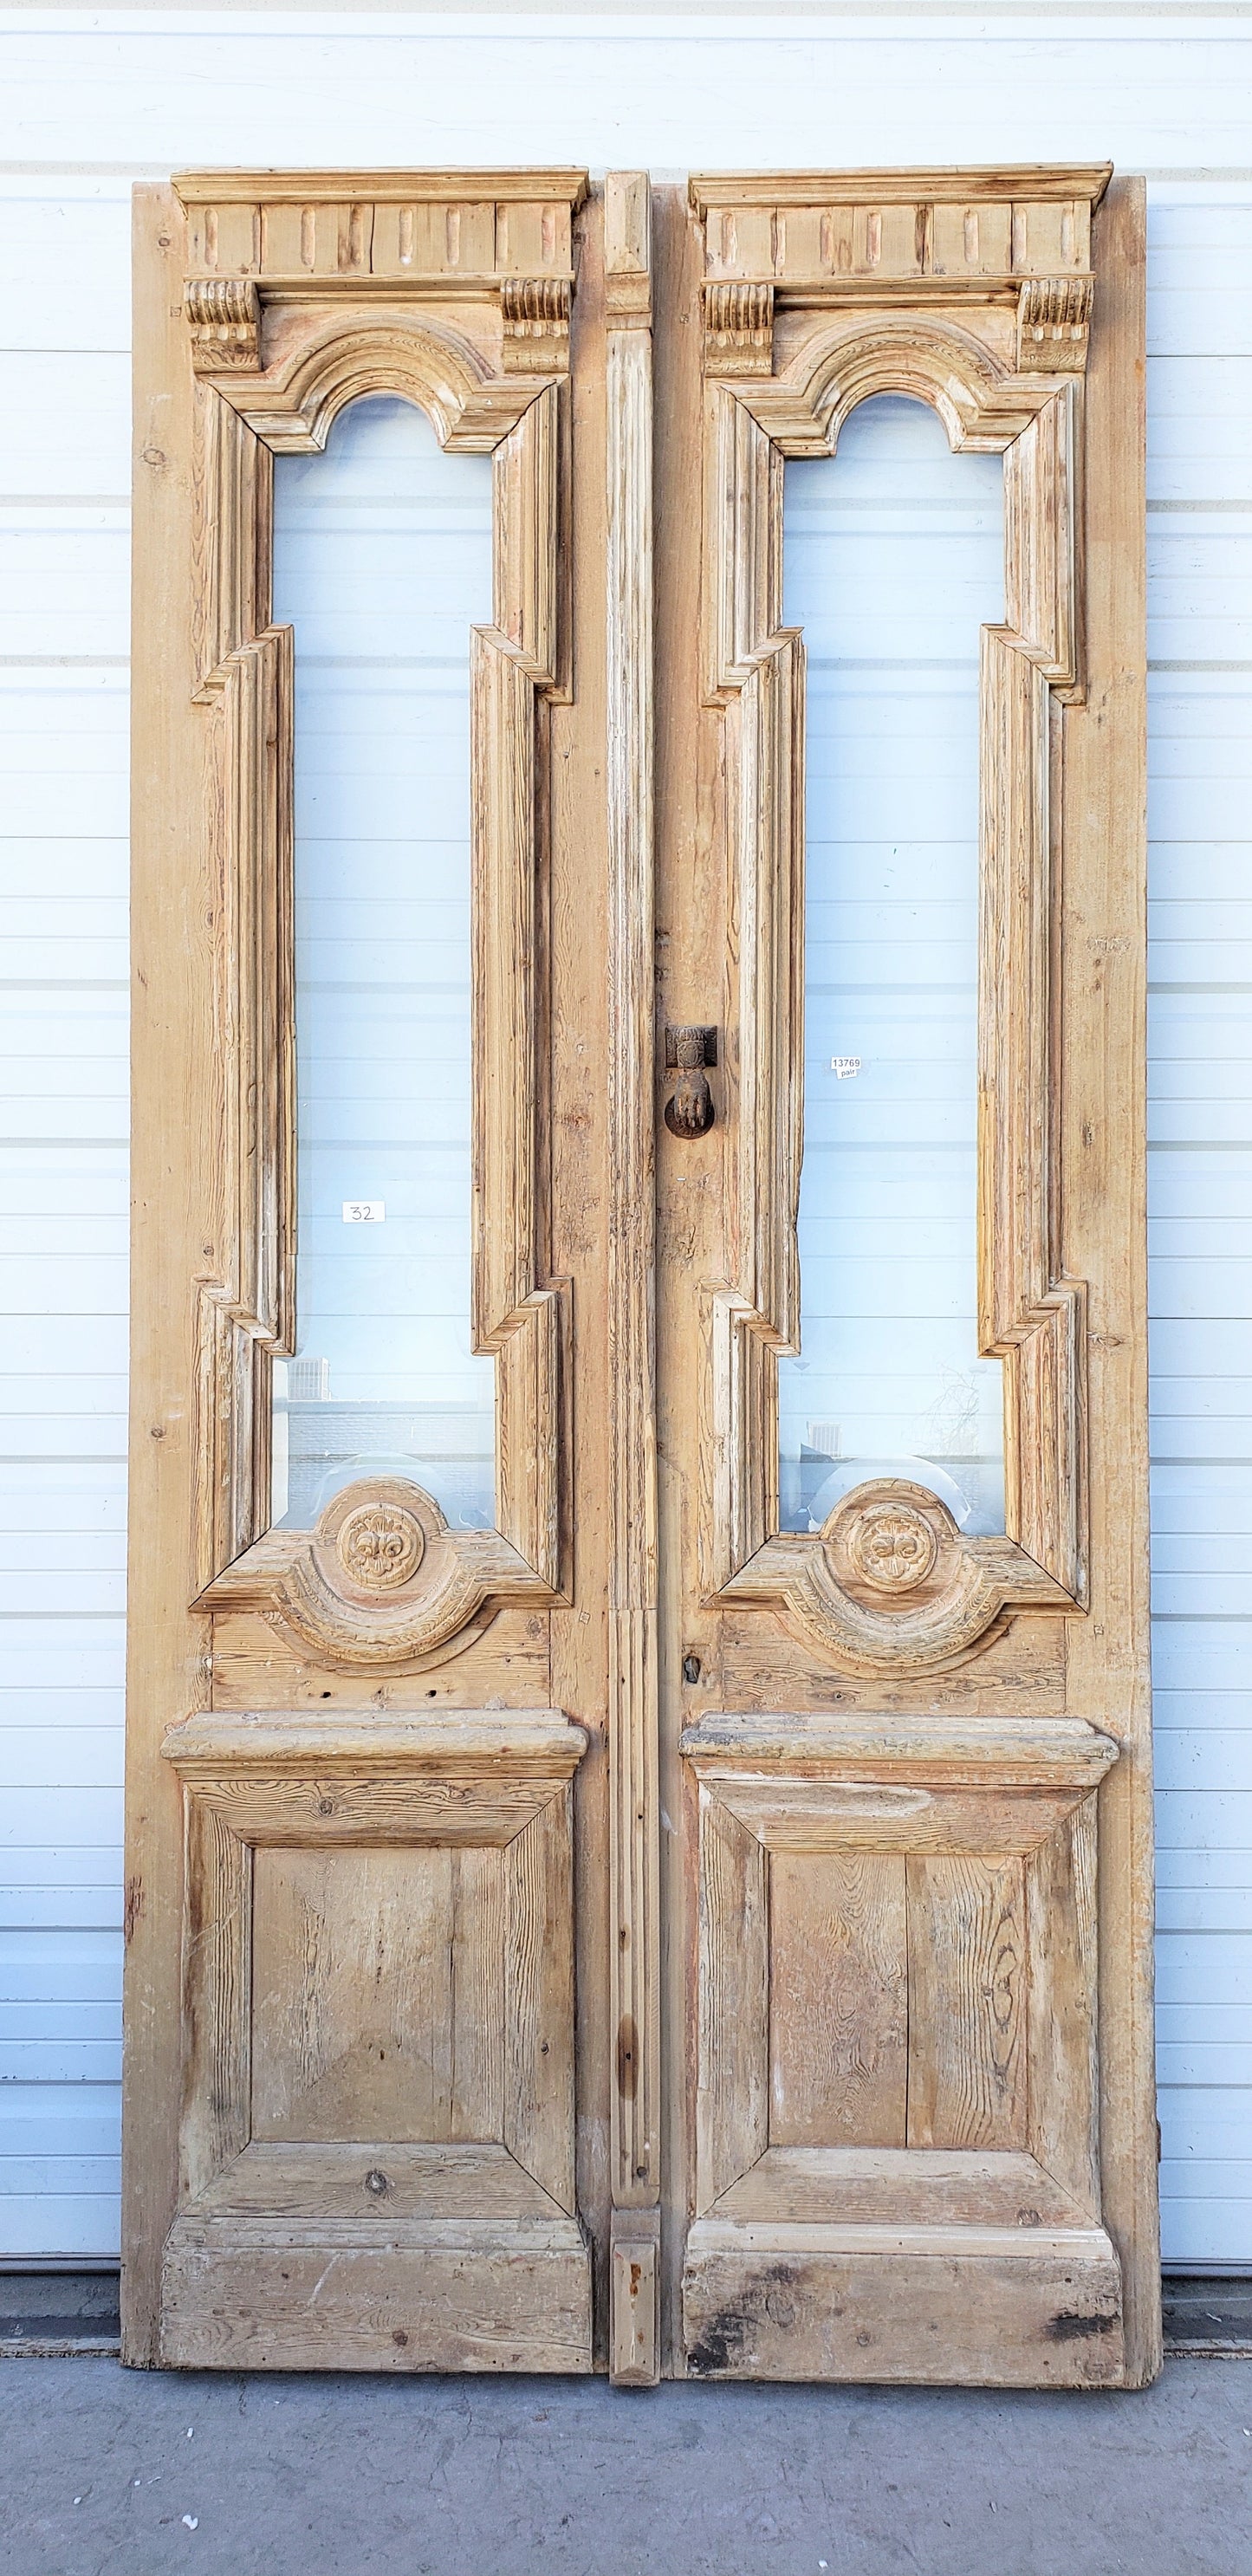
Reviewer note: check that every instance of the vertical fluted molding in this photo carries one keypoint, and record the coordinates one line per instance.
(631, 1450)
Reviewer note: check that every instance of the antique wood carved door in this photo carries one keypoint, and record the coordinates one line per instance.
(638, 1746)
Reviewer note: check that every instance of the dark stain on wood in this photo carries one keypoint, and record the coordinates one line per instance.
(627, 2058)
(1069, 2327)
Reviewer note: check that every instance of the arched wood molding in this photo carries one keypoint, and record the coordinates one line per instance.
(315, 1588)
(453, 291)
(972, 293)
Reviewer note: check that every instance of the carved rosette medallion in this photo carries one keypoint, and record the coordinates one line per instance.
(380, 1545)
(381, 1583)
(892, 1546)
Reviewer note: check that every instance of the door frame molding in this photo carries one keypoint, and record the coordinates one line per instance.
(277, 353)
(864, 296)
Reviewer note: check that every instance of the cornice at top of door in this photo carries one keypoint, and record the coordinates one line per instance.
(296, 233)
(1038, 182)
(390, 187)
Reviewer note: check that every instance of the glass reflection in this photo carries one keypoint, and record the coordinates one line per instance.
(893, 556)
(382, 561)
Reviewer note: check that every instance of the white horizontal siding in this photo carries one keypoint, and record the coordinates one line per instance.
(92, 100)
(1200, 1234)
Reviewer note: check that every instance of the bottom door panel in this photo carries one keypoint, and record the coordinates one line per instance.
(378, 2146)
(897, 2092)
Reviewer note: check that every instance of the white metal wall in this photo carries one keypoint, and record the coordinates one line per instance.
(90, 102)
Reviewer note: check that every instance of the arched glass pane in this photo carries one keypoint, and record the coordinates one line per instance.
(894, 557)
(382, 561)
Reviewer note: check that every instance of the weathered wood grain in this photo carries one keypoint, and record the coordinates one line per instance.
(376, 2177)
(950, 1750)
(935, 2304)
(1063, 2058)
(838, 1999)
(575, 1054)
(633, 2352)
(218, 2031)
(378, 1998)
(176, 1209)
(538, 2122)
(732, 2096)
(766, 1665)
(254, 1666)
(422, 1894)
(901, 2187)
(1103, 968)
(630, 1448)
(968, 2002)
(258, 2294)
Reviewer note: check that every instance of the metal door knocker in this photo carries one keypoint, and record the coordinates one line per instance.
(689, 1110)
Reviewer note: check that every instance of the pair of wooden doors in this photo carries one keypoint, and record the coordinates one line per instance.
(646, 1923)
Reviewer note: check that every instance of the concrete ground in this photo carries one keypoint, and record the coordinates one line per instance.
(106, 2472)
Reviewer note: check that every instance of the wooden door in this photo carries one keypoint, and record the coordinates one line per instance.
(907, 1721)
(585, 1910)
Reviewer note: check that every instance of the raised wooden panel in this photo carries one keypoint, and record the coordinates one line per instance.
(216, 2019)
(378, 2003)
(968, 1986)
(379, 2008)
(732, 2097)
(1063, 2068)
(538, 1965)
(886, 2187)
(927, 2095)
(839, 2016)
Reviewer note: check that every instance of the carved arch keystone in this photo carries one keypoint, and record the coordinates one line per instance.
(971, 293)
(453, 291)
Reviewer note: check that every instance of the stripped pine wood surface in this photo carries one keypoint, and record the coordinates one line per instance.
(376, 2008)
(166, 95)
(968, 2001)
(407, 1900)
(631, 1318)
(839, 1999)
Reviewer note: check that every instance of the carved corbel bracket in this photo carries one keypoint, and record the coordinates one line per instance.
(381, 1584)
(1054, 325)
(738, 327)
(535, 312)
(224, 318)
